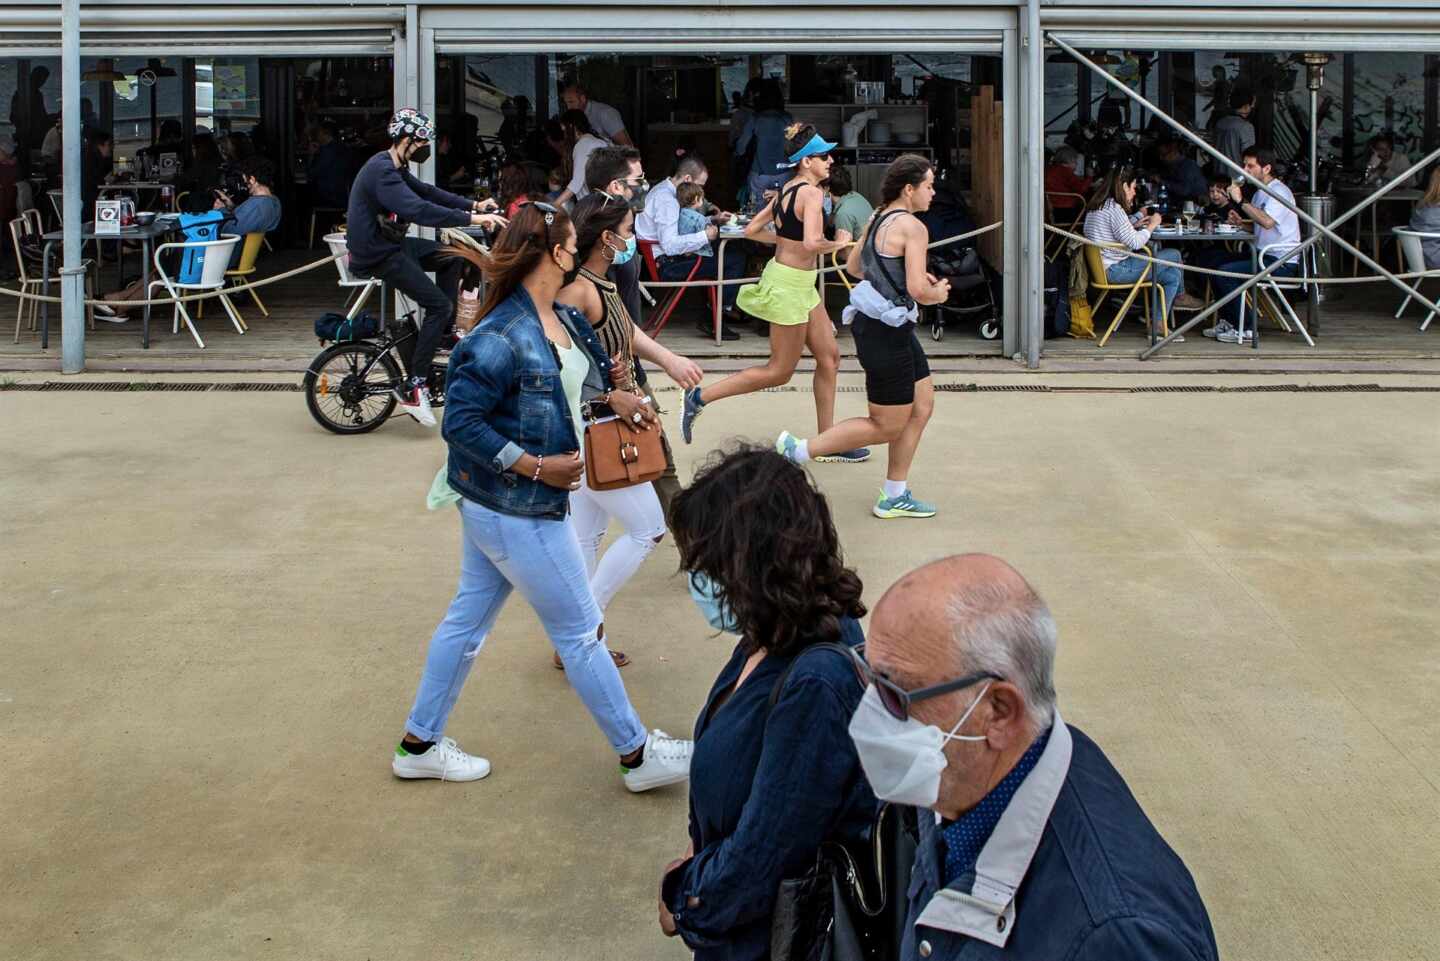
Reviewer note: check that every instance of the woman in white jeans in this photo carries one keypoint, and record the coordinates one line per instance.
(1109, 220)
(605, 237)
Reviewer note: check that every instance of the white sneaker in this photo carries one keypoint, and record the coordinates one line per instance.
(1218, 330)
(1233, 336)
(444, 761)
(667, 761)
(415, 401)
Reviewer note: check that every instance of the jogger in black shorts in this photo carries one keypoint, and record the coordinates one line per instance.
(890, 257)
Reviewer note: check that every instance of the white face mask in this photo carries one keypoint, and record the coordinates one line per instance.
(903, 759)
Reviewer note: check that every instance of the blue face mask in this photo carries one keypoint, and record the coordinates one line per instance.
(717, 615)
(623, 256)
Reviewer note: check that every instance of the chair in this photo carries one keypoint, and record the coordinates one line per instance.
(314, 213)
(246, 268)
(1095, 265)
(359, 288)
(202, 267)
(1272, 290)
(1412, 244)
(178, 204)
(1072, 227)
(672, 300)
(26, 309)
(840, 269)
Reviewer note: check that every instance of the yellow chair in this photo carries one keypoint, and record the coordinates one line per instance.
(1073, 226)
(1095, 264)
(840, 272)
(238, 274)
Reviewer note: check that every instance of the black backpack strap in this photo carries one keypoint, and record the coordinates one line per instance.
(844, 650)
(880, 261)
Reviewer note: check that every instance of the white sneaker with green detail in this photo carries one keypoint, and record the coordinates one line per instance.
(667, 761)
(444, 762)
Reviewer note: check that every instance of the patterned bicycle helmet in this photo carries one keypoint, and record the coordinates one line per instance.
(409, 122)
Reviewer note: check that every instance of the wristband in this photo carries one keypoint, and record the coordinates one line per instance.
(539, 462)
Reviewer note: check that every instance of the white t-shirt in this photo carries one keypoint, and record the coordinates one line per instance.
(604, 119)
(1286, 232)
(584, 147)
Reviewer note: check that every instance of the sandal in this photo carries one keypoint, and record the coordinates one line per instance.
(619, 657)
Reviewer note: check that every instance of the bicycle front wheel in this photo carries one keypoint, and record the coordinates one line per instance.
(350, 387)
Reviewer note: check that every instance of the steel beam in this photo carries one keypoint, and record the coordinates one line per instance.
(72, 274)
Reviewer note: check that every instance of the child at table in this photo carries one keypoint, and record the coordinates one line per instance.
(691, 197)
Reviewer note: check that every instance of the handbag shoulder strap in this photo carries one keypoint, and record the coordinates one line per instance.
(842, 649)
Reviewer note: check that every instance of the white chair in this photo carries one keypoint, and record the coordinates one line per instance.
(1412, 246)
(1273, 289)
(203, 266)
(359, 288)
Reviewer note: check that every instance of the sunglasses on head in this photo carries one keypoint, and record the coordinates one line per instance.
(896, 700)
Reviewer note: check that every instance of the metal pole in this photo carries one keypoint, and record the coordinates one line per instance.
(1314, 141)
(1318, 227)
(72, 275)
(1033, 112)
(1012, 236)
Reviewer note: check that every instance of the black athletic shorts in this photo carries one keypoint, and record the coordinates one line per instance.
(892, 358)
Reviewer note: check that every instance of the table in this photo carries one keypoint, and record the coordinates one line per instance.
(1356, 195)
(1243, 236)
(146, 236)
(726, 235)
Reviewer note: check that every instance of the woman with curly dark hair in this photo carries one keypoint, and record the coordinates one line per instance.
(769, 781)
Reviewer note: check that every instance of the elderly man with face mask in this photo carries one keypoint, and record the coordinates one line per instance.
(1032, 847)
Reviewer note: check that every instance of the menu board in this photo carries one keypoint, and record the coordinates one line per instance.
(107, 216)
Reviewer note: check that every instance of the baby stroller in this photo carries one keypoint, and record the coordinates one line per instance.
(971, 294)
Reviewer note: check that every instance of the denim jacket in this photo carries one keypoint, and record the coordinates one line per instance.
(1074, 871)
(503, 398)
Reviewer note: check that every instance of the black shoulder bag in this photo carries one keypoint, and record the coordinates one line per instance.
(851, 905)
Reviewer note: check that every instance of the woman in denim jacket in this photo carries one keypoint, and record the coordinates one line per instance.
(516, 387)
(768, 784)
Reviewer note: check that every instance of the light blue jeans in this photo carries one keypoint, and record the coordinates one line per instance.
(1170, 278)
(542, 558)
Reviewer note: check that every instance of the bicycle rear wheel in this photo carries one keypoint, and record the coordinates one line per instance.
(350, 387)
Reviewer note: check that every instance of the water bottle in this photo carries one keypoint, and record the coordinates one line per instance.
(1162, 200)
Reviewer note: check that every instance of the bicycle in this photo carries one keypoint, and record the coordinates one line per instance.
(350, 385)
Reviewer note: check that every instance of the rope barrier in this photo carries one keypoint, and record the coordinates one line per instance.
(1210, 272)
(207, 295)
(728, 281)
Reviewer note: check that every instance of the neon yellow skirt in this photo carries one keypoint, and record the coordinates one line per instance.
(783, 296)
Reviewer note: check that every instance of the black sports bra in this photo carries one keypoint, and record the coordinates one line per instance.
(788, 225)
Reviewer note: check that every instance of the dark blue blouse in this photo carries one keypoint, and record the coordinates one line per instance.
(766, 788)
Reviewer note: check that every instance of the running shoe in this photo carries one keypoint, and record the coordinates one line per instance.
(857, 456)
(694, 407)
(415, 400)
(1220, 328)
(444, 761)
(904, 505)
(786, 445)
(667, 761)
(1233, 336)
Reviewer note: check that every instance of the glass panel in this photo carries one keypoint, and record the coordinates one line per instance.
(148, 96)
(1389, 98)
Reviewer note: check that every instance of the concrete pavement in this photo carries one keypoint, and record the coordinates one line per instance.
(214, 614)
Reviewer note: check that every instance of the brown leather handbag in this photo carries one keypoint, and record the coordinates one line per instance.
(616, 456)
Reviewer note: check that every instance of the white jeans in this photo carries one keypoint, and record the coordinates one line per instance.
(638, 510)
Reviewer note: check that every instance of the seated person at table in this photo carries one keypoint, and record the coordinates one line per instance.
(851, 210)
(329, 169)
(162, 160)
(1108, 220)
(1211, 255)
(691, 198)
(1061, 178)
(1276, 227)
(677, 253)
(259, 213)
(95, 166)
(1426, 219)
(1385, 163)
(1180, 175)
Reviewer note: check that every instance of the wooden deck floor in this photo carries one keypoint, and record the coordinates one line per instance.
(1357, 329)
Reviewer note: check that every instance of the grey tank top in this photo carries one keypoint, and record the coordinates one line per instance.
(886, 274)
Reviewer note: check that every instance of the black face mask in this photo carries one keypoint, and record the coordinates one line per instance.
(420, 154)
(569, 276)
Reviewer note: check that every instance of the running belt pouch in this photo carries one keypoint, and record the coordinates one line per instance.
(617, 457)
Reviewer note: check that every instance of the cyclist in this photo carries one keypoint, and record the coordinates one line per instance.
(384, 201)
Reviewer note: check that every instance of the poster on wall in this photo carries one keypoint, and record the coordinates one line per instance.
(229, 89)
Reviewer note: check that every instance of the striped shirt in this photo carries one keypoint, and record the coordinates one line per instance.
(1111, 225)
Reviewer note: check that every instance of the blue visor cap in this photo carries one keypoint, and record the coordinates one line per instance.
(818, 145)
